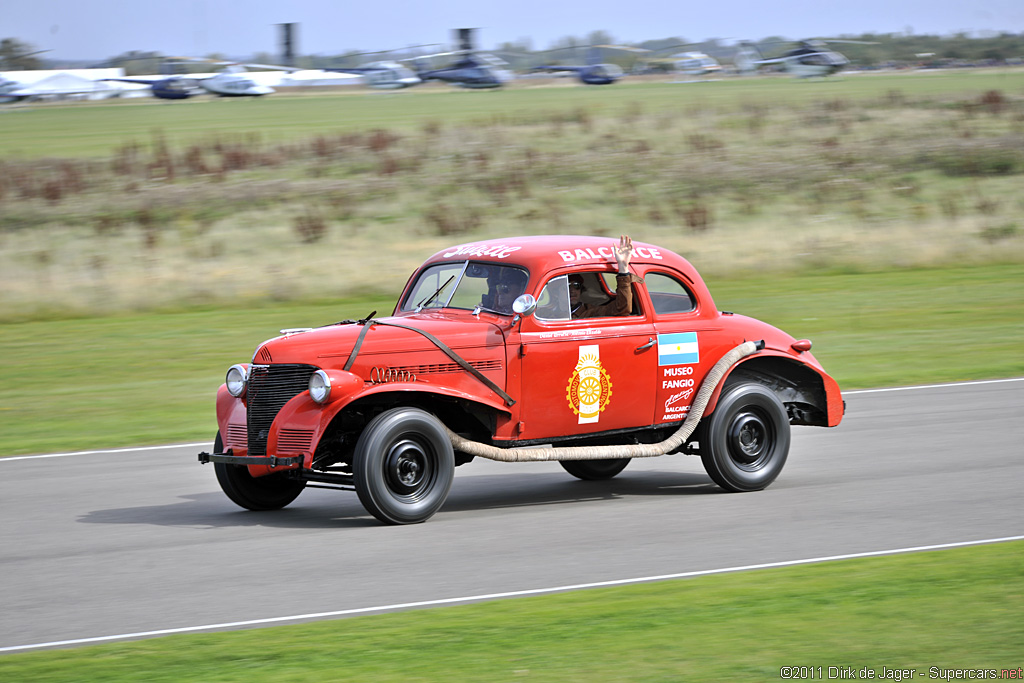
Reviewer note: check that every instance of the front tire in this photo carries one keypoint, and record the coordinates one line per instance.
(404, 465)
(271, 492)
(594, 470)
(745, 441)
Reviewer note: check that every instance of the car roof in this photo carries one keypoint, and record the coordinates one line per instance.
(544, 253)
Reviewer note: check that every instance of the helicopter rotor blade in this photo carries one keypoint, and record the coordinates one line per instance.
(627, 48)
(384, 52)
(850, 42)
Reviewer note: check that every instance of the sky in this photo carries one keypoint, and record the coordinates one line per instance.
(100, 29)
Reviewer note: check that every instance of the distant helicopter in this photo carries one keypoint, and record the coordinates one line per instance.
(696, 64)
(472, 69)
(232, 81)
(692, 63)
(593, 72)
(384, 74)
(808, 59)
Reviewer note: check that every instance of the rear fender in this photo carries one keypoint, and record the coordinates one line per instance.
(811, 396)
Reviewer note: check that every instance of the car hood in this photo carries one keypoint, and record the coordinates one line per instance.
(389, 335)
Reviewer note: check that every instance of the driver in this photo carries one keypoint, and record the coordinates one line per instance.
(622, 304)
(503, 287)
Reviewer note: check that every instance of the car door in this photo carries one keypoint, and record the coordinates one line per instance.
(584, 376)
(689, 341)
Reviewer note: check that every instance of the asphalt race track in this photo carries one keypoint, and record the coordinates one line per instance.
(140, 541)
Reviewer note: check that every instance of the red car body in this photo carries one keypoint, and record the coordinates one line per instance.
(505, 379)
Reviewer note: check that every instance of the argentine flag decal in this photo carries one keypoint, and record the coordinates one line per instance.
(679, 348)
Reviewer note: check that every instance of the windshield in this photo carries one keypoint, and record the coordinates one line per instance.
(467, 284)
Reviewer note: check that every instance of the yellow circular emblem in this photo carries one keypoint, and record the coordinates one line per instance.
(589, 389)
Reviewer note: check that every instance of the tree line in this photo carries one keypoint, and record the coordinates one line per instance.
(874, 50)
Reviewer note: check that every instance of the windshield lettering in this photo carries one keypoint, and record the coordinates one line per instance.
(497, 251)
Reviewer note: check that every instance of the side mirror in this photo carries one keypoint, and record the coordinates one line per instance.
(525, 304)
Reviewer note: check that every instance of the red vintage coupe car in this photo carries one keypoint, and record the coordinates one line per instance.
(486, 355)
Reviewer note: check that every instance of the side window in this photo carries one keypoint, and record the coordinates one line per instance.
(668, 294)
(612, 284)
(580, 295)
(553, 303)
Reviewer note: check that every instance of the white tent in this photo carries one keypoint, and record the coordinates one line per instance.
(86, 83)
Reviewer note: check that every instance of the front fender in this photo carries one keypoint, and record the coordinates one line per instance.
(297, 427)
(439, 390)
(301, 422)
(231, 422)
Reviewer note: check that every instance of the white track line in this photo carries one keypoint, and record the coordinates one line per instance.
(135, 449)
(494, 596)
(934, 386)
(207, 443)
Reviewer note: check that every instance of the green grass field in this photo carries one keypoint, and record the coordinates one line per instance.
(131, 206)
(929, 612)
(94, 129)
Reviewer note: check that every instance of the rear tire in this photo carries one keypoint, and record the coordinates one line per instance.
(745, 441)
(271, 492)
(594, 470)
(404, 465)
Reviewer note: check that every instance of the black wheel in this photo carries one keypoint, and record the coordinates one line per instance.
(271, 492)
(594, 470)
(403, 466)
(745, 441)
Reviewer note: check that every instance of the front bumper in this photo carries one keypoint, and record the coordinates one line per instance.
(270, 461)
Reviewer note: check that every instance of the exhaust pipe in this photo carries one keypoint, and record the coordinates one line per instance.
(536, 454)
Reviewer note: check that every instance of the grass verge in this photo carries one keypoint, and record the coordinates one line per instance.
(929, 612)
(151, 378)
(146, 379)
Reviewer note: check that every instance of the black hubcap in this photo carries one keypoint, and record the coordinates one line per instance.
(749, 441)
(407, 468)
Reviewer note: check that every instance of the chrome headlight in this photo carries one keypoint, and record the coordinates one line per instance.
(236, 380)
(320, 387)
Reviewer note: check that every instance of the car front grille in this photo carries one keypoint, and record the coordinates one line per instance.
(270, 387)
